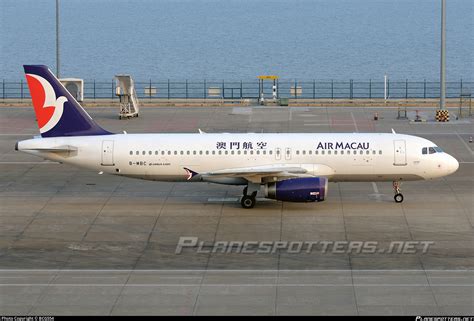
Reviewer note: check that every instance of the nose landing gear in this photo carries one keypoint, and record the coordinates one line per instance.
(398, 195)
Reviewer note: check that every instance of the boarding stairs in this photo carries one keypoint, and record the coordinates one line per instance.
(125, 90)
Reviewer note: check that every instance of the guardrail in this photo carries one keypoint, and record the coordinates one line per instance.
(295, 89)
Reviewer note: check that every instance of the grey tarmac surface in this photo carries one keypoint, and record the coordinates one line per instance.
(75, 242)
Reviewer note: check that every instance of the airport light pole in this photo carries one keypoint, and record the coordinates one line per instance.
(57, 39)
(442, 98)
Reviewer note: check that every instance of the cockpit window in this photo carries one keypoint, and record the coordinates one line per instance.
(431, 150)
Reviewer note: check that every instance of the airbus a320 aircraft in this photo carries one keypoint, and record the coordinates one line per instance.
(289, 167)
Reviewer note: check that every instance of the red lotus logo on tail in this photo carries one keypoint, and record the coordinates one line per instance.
(48, 108)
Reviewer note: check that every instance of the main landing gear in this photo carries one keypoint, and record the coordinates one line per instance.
(249, 201)
(398, 195)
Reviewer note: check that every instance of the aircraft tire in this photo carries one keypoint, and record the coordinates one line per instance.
(398, 198)
(248, 201)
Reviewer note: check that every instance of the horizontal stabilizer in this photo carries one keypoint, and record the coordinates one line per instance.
(54, 149)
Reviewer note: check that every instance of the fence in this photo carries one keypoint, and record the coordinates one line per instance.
(250, 89)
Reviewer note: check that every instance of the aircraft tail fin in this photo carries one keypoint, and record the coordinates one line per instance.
(57, 111)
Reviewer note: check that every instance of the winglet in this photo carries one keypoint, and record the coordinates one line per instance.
(190, 173)
(201, 131)
(393, 131)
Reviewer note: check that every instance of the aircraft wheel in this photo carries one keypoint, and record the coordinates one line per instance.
(398, 198)
(247, 201)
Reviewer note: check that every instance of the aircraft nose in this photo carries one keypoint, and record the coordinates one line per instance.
(453, 164)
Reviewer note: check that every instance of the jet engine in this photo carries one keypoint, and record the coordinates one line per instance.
(304, 189)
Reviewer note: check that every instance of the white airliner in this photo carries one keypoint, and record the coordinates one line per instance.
(286, 167)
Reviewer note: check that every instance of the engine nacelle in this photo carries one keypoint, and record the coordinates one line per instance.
(304, 189)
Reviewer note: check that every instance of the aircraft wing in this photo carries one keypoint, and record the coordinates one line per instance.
(258, 170)
(281, 171)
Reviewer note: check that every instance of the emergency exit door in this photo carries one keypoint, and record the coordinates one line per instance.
(277, 153)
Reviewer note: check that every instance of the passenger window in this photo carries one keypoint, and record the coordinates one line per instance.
(270, 152)
(175, 152)
(304, 152)
(150, 152)
(200, 152)
(162, 152)
(316, 152)
(310, 152)
(380, 152)
(342, 152)
(181, 152)
(156, 152)
(297, 152)
(143, 152)
(137, 152)
(367, 152)
(322, 152)
(232, 152)
(194, 152)
(373, 152)
(329, 152)
(131, 153)
(355, 152)
(213, 152)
